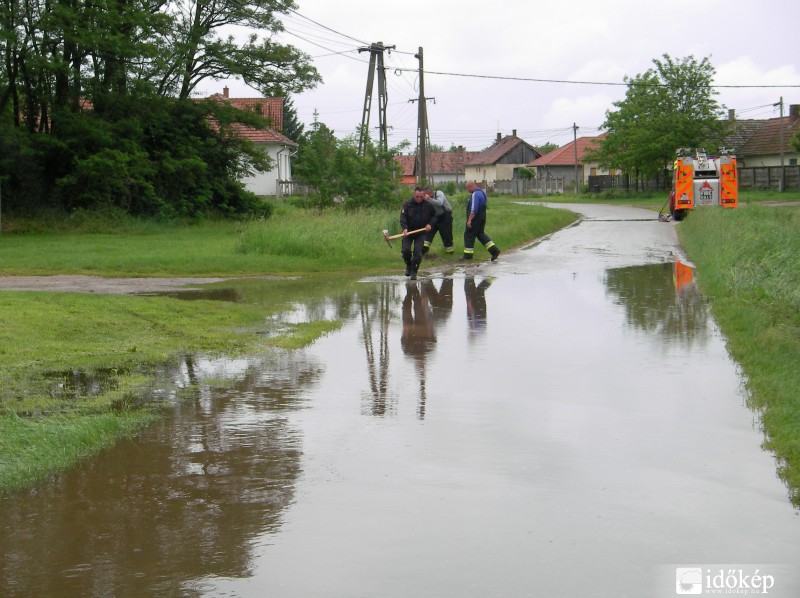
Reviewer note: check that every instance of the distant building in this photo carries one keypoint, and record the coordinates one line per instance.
(501, 161)
(277, 146)
(441, 167)
(758, 142)
(560, 163)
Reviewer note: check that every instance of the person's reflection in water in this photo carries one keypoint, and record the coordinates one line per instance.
(422, 306)
(476, 304)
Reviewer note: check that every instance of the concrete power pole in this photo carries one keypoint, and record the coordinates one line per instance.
(575, 143)
(375, 65)
(782, 179)
(422, 125)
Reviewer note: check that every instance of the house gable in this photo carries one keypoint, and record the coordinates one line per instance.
(505, 150)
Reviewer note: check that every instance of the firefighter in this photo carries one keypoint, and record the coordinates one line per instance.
(444, 220)
(416, 213)
(476, 222)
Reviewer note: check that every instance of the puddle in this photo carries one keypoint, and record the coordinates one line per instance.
(564, 422)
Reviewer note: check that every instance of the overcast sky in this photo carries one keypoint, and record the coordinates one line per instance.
(487, 45)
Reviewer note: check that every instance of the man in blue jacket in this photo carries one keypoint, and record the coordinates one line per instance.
(476, 222)
(416, 213)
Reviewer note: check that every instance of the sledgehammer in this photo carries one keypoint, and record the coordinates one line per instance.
(389, 237)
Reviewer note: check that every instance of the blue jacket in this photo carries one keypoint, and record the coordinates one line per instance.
(476, 202)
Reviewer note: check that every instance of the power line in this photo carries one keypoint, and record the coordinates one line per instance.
(363, 43)
(606, 83)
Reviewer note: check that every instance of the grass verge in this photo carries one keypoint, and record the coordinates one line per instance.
(748, 264)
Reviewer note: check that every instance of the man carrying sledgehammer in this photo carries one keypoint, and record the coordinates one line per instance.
(415, 214)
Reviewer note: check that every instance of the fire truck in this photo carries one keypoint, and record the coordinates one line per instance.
(701, 179)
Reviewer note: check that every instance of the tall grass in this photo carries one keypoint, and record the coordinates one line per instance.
(337, 240)
(748, 263)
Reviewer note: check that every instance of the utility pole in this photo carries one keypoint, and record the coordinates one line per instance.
(422, 125)
(782, 179)
(575, 143)
(375, 64)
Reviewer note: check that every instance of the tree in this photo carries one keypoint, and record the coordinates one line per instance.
(292, 127)
(337, 173)
(95, 105)
(548, 147)
(665, 108)
(198, 52)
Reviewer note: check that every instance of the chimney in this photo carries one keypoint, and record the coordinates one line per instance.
(498, 136)
(732, 114)
(225, 91)
(514, 133)
(794, 110)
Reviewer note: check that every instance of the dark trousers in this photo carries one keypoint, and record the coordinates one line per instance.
(405, 248)
(444, 226)
(476, 232)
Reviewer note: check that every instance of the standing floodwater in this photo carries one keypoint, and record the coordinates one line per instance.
(562, 422)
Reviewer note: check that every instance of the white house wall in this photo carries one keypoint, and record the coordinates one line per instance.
(266, 183)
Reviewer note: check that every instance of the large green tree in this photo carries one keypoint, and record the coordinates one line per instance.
(96, 108)
(199, 51)
(671, 105)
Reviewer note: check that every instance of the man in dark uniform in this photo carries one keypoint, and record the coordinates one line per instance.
(416, 213)
(444, 220)
(476, 222)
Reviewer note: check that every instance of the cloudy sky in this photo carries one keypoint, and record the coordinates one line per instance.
(498, 66)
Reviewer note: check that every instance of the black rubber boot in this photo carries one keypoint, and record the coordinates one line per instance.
(494, 251)
(407, 260)
(414, 268)
(466, 256)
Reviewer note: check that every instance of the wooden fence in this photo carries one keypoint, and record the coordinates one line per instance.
(768, 177)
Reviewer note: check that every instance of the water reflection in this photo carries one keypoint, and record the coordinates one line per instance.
(380, 399)
(189, 497)
(423, 307)
(661, 299)
(476, 304)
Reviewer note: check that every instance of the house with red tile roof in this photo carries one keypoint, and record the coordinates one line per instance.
(757, 143)
(278, 147)
(560, 163)
(442, 167)
(501, 160)
(408, 166)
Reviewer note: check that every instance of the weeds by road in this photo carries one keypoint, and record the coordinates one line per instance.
(748, 265)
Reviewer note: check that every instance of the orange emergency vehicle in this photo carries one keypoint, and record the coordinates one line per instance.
(701, 179)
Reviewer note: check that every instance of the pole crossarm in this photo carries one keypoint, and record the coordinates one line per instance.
(376, 51)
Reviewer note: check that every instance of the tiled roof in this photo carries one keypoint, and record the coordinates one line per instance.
(271, 108)
(497, 151)
(741, 132)
(407, 163)
(766, 139)
(449, 162)
(439, 163)
(565, 155)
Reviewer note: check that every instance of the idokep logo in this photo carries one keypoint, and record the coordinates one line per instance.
(706, 581)
(689, 580)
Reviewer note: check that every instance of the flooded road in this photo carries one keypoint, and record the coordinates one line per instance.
(562, 422)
